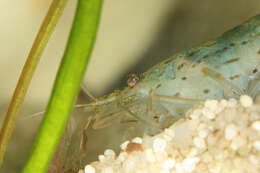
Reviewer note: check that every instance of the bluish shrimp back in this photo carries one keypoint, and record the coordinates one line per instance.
(232, 59)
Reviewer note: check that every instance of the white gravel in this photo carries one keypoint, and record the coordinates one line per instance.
(221, 136)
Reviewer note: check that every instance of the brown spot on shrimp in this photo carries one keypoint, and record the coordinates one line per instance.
(184, 78)
(177, 94)
(191, 54)
(194, 65)
(208, 72)
(132, 80)
(232, 44)
(181, 65)
(205, 57)
(255, 70)
(221, 50)
(206, 91)
(234, 77)
(231, 61)
(156, 117)
(244, 42)
(158, 86)
(225, 48)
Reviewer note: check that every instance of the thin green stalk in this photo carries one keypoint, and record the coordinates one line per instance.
(66, 86)
(39, 44)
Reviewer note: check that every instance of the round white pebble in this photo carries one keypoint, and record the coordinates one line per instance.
(123, 146)
(253, 159)
(101, 158)
(193, 152)
(150, 156)
(246, 101)
(159, 144)
(169, 164)
(179, 168)
(122, 156)
(256, 125)
(237, 142)
(89, 169)
(211, 104)
(81, 171)
(199, 142)
(165, 171)
(256, 145)
(195, 114)
(223, 103)
(202, 126)
(189, 164)
(231, 102)
(203, 133)
(230, 132)
(137, 140)
(107, 170)
(208, 113)
(109, 153)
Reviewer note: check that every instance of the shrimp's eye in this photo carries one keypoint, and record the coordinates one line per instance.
(132, 80)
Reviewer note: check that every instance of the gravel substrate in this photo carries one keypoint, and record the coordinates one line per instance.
(218, 136)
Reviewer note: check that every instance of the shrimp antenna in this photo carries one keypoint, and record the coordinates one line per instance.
(87, 92)
(34, 115)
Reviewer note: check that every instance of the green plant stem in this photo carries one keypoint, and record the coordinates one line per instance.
(66, 86)
(39, 44)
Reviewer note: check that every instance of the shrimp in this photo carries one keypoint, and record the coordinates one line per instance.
(225, 68)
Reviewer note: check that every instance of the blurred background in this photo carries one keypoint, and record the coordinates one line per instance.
(133, 36)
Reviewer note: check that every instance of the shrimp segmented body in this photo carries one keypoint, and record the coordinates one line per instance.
(225, 68)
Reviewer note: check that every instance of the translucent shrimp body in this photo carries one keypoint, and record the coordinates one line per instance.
(225, 68)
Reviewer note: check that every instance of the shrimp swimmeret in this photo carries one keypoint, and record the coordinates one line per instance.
(225, 68)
